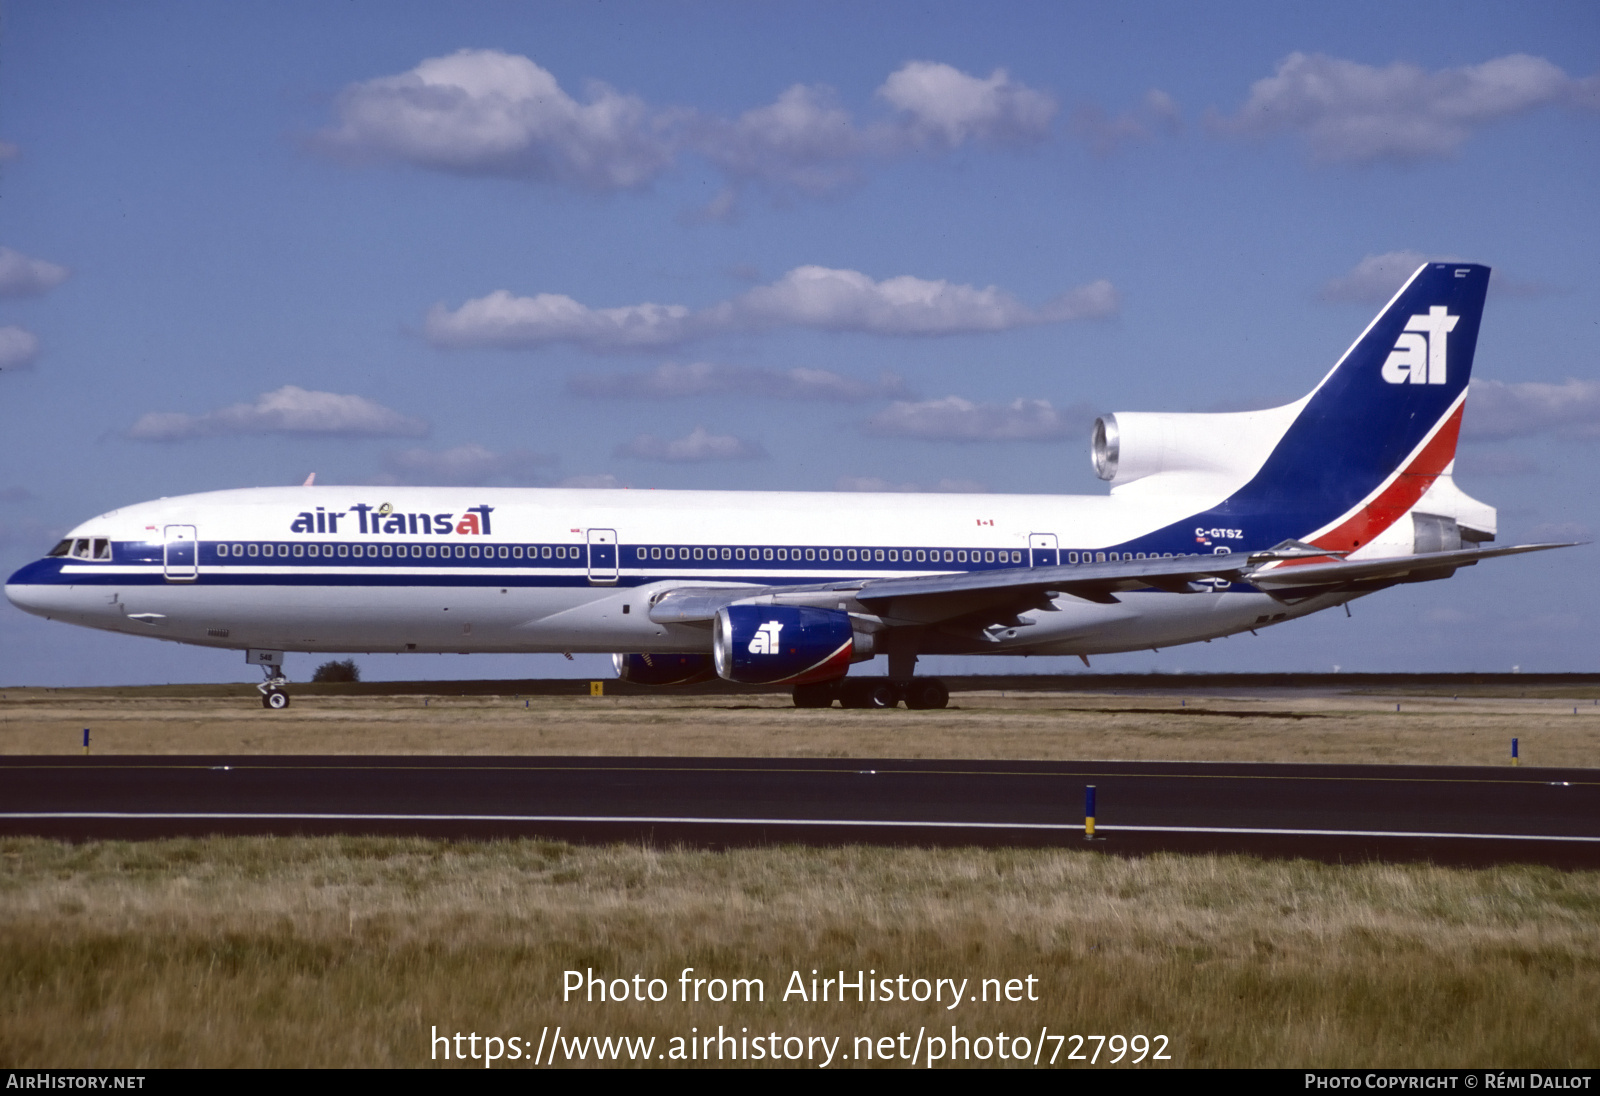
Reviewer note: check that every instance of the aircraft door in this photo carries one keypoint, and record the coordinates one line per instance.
(602, 556)
(1042, 550)
(180, 557)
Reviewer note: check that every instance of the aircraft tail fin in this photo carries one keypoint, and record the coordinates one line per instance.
(1381, 428)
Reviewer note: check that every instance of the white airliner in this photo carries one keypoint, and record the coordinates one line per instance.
(1214, 524)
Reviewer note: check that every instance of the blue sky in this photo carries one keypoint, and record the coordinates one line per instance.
(780, 246)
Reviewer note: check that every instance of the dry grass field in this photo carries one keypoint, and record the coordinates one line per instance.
(1285, 727)
(349, 952)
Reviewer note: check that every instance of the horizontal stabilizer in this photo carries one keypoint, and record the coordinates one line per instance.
(1390, 570)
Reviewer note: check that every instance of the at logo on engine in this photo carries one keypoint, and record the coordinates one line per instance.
(765, 641)
(1419, 354)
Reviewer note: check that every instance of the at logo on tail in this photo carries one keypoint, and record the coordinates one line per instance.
(1420, 354)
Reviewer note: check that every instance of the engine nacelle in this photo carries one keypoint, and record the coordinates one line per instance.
(1186, 449)
(664, 669)
(782, 644)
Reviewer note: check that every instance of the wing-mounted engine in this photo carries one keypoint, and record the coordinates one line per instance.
(782, 644)
(664, 669)
(1199, 454)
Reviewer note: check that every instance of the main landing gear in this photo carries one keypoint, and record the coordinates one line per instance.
(873, 692)
(272, 694)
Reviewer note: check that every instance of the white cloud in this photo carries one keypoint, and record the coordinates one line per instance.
(21, 276)
(804, 140)
(1376, 278)
(501, 319)
(698, 445)
(1496, 410)
(289, 410)
(956, 419)
(878, 484)
(1348, 112)
(814, 297)
(484, 112)
(467, 465)
(18, 347)
(673, 380)
(847, 300)
(943, 107)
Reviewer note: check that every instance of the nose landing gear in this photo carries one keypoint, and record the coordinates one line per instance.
(272, 695)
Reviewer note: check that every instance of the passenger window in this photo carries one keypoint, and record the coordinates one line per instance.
(544, 553)
(894, 555)
(699, 553)
(811, 554)
(878, 555)
(766, 554)
(299, 549)
(461, 553)
(238, 551)
(387, 550)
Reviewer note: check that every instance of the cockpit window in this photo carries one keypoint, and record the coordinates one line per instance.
(96, 548)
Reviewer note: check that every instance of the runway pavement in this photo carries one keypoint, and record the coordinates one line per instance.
(1330, 812)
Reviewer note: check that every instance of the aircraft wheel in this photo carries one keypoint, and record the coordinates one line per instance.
(852, 694)
(928, 694)
(818, 694)
(276, 699)
(880, 695)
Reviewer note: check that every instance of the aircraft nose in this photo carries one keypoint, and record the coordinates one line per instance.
(27, 591)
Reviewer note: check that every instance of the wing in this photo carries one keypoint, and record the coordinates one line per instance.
(982, 599)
